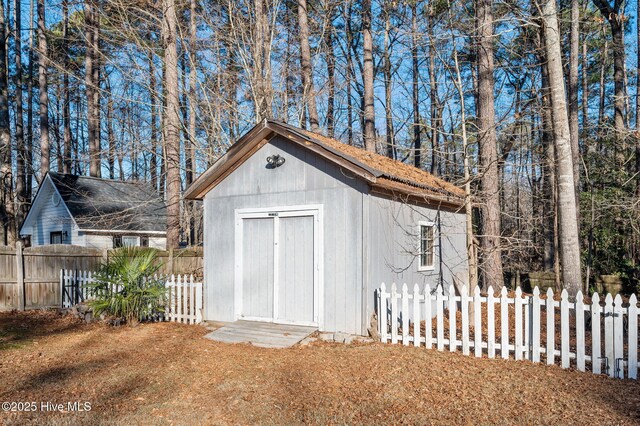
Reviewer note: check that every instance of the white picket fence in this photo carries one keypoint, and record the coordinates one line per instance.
(603, 337)
(184, 295)
(185, 300)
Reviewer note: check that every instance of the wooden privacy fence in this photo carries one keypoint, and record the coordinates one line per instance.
(588, 335)
(184, 295)
(29, 277)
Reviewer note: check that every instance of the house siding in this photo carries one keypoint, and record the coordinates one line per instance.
(106, 241)
(50, 218)
(304, 179)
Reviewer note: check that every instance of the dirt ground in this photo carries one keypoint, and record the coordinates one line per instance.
(169, 374)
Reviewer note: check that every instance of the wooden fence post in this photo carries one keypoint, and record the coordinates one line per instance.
(20, 276)
(170, 262)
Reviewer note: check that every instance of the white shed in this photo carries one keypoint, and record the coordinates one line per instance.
(300, 228)
(96, 213)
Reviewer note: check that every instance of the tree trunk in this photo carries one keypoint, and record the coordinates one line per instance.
(574, 58)
(66, 113)
(92, 83)
(549, 174)
(262, 63)
(388, 109)
(349, 72)
(22, 204)
(111, 139)
(7, 208)
(434, 120)
(29, 136)
(153, 161)
(171, 123)
(612, 14)
(309, 93)
(369, 112)
(568, 224)
(468, 202)
(43, 62)
(330, 59)
(89, 83)
(585, 91)
(637, 135)
(491, 245)
(415, 95)
(191, 139)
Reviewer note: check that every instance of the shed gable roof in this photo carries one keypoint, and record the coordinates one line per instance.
(379, 171)
(110, 205)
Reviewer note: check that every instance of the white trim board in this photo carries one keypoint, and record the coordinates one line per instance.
(276, 212)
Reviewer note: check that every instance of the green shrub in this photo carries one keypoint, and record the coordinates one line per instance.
(126, 286)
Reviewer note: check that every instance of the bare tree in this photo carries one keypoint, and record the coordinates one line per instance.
(43, 84)
(574, 59)
(637, 136)
(612, 13)
(171, 122)
(7, 211)
(22, 199)
(92, 84)
(415, 89)
(369, 132)
(309, 95)
(491, 245)
(568, 238)
(388, 101)
(330, 59)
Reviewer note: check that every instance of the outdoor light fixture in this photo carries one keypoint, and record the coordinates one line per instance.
(274, 161)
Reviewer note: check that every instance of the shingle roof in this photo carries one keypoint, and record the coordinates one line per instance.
(382, 173)
(103, 204)
(390, 169)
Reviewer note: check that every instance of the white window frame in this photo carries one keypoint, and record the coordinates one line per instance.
(421, 267)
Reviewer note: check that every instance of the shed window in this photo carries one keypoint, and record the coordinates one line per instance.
(55, 237)
(144, 241)
(426, 246)
(117, 241)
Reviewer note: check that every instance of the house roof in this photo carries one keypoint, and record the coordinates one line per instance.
(111, 205)
(381, 172)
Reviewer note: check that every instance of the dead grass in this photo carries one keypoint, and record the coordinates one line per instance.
(169, 374)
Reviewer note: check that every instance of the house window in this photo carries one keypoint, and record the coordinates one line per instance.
(130, 241)
(117, 241)
(426, 253)
(55, 237)
(144, 241)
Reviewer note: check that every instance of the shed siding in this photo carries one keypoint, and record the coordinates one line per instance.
(304, 179)
(394, 241)
(50, 218)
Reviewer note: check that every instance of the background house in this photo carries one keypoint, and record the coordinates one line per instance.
(300, 228)
(97, 213)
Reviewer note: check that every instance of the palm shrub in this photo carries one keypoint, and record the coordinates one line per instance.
(126, 286)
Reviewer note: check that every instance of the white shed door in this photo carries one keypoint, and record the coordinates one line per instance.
(279, 267)
(295, 270)
(257, 279)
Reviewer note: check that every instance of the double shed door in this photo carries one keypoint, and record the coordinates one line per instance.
(279, 266)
